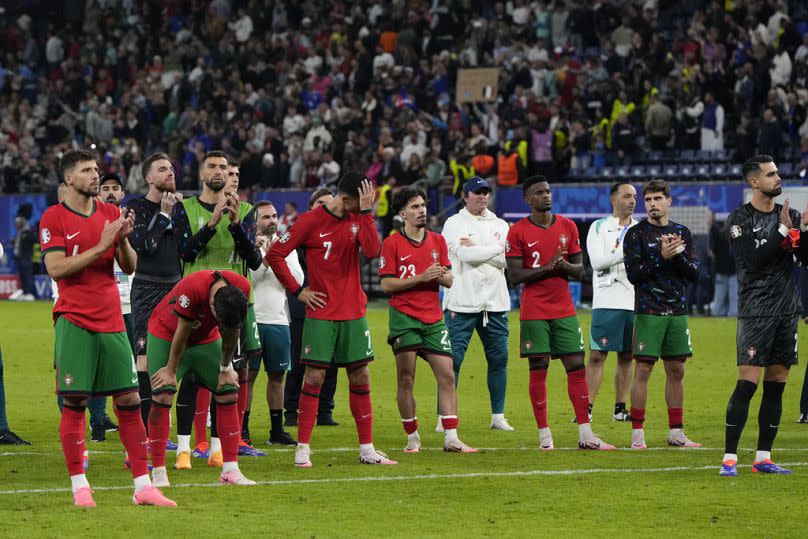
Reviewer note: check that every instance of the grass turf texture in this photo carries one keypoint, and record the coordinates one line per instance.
(509, 488)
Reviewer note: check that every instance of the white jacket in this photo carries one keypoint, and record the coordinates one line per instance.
(611, 288)
(479, 271)
(271, 305)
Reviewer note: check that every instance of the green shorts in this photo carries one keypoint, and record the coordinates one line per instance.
(90, 363)
(612, 330)
(203, 360)
(348, 342)
(667, 337)
(409, 334)
(551, 338)
(249, 346)
(275, 349)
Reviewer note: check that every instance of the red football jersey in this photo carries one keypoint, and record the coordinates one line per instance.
(89, 298)
(189, 299)
(331, 248)
(404, 258)
(550, 298)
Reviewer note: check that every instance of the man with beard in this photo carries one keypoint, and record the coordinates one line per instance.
(158, 267)
(764, 237)
(272, 316)
(211, 234)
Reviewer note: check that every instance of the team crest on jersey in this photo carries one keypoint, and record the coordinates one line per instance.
(604, 341)
(434, 255)
(563, 239)
(641, 346)
(46, 235)
(735, 231)
(528, 345)
(68, 379)
(284, 238)
(751, 352)
(381, 262)
(184, 301)
(354, 229)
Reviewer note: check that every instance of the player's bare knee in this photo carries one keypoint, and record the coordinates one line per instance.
(358, 375)
(226, 398)
(596, 358)
(164, 398)
(75, 402)
(675, 369)
(127, 399)
(314, 376)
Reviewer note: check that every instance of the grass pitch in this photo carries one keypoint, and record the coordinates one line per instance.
(509, 488)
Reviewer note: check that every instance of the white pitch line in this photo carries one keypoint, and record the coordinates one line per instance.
(270, 451)
(426, 477)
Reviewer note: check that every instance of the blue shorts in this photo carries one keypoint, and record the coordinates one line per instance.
(275, 349)
(612, 330)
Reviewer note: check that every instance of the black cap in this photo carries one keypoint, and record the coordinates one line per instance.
(111, 176)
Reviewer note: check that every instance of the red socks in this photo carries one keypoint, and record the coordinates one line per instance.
(71, 433)
(243, 395)
(133, 435)
(159, 427)
(637, 417)
(676, 418)
(578, 393)
(449, 422)
(228, 429)
(362, 410)
(410, 425)
(307, 412)
(537, 388)
(201, 415)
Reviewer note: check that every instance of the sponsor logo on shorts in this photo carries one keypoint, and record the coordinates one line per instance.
(751, 352)
(307, 349)
(528, 345)
(184, 301)
(604, 341)
(641, 346)
(68, 379)
(398, 340)
(46, 235)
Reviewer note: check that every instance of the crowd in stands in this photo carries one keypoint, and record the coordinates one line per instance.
(303, 90)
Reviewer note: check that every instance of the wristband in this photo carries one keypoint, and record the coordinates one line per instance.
(226, 369)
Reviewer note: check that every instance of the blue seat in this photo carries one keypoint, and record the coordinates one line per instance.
(687, 155)
(621, 172)
(654, 171)
(719, 171)
(607, 172)
(638, 171)
(671, 170)
(703, 170)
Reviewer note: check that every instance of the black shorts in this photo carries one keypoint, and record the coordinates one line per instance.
(767, 340)
(145, 295)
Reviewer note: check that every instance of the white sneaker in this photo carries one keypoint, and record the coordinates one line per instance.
(498, 422)
(621, 415)
(375, 457)
(439, 427)
(677, 438)
(160, 477)
(546, 442)
(638, 439)
(235, 477)
(302, 456)
(413, 443)
(27, 297)
(15, 295)
(456, 446)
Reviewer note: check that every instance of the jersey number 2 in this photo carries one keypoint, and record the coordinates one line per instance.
(536, 256)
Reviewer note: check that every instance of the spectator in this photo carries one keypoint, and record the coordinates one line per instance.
(658, 123)
(23, 252)
(328, 171)
(770, 136)
(725, 297)
(712, 124)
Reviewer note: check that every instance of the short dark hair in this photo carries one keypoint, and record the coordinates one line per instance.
(216, 153)
(405, 195)
(531, 181)
(752, 165)
(230, 305)
(232, 161)
(656, 186)
(262, 204)
(616, 186)
(145, 167)
(71, 157)
(320, 192)
(350, 182)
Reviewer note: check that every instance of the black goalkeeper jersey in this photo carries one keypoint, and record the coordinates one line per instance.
(154, 241)
(660, 286)
(765, 269)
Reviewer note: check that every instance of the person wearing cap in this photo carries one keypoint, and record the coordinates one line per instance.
(479, 299)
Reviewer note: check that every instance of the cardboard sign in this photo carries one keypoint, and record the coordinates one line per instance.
(476, 85)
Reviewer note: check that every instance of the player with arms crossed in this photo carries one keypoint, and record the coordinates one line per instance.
(335, 327)
(764, 237)
(414, 263)
(196, 328)
(660, 260)
(613, 298)
(542, 252)
(81, 239)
